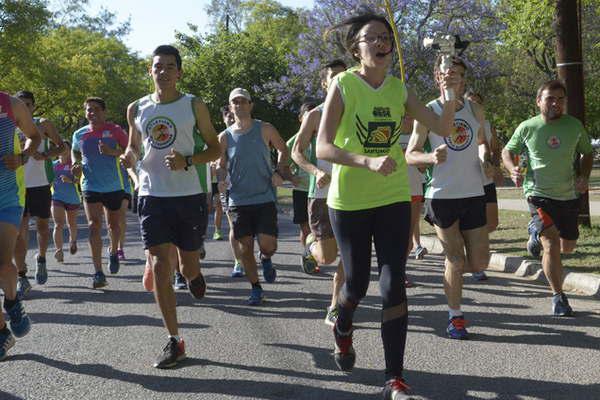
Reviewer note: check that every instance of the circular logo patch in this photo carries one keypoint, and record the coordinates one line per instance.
(554, 142)
(161, 132)
(461, 137)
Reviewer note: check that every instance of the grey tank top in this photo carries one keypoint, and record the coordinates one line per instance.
(249, 167)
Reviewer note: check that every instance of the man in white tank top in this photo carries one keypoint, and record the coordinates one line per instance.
(321, 247)
(38, 198)
(178, 140)
(455, 202)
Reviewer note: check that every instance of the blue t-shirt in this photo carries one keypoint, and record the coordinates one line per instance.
(64, 191)
(101, 173)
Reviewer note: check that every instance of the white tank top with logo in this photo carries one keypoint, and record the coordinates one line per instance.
(36, 174)
(460, 176)
(166, 126)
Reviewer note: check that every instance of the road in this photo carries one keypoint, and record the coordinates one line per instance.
(88, 344)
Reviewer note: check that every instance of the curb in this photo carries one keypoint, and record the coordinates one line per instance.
(579, 282)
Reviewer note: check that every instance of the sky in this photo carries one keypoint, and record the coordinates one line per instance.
(154, 22)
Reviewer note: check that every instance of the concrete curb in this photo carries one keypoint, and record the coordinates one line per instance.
(581, 283)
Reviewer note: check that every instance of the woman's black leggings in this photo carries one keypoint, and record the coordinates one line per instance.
(388, 227)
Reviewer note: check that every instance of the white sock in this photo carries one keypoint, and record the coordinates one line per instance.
(454, 312)
(175, 337)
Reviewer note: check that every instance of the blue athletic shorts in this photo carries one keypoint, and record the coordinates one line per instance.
(12, 215)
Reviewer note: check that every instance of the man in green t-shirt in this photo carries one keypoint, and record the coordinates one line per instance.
(551, 142)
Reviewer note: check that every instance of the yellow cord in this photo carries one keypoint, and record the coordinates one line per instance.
(388, 9)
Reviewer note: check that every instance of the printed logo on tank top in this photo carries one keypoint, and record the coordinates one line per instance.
(161, 132)
(461, 137)
(554, 142)
(377, 136)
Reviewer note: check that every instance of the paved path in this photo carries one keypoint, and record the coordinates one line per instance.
(521, 205)
(89, 344)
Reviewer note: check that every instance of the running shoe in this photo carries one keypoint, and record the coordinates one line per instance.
(256, 297)
(534, 246)
(197, 287)
(99, 280)
(309, 264)
(20, 324)
(479, 276)
(420, 252)
(59, 255)
(113, 263)
(408, 283)
(456, 328)
(23, 287)
(171, 354)
(217, 235)
(331, 316)
(343, 351)
(180, 282)
(41, 273)
(202, 252)
(238, 270)
(73, 247)
(121, 254)
(148, 279)
(560, 306)
(269, 272)
(7, 340)
(396, 389)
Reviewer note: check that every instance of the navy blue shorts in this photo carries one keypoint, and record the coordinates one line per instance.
(469, 212)
(254, 219)
(178, 220)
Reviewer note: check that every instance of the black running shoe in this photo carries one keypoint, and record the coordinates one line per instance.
(197, 287)
(172, 353)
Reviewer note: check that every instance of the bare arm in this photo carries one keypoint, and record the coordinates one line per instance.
(442, 125)
(272, 138)
(222, 161)
(415, 153)
(49, 130)
(31, 132)
(208, 133)
(133, 150)
(308, 129)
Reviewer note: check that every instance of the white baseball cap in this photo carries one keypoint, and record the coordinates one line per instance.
(239, 92)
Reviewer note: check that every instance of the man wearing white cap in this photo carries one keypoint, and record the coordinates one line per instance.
(252, 194)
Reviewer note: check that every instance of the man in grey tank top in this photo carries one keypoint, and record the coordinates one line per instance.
(245, 156)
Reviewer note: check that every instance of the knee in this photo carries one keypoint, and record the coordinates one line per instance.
(160, 267)
(268, 249)
(455, 262)
(94, 226)
(42, 225)
(492, 225)
(567, 247)
(59, 225)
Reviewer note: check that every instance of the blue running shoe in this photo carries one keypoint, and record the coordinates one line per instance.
(41, 273)
(238, 270)
(256, 297)
(7, 340)
(456, 328)
(113, 263)
(480, 276)
(534, 246)
(20, 324)
(99, 280)
(269, 272)
(23, 287)
(560, 306)
(180, 282)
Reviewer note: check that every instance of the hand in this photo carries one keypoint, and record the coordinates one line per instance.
(39, 156)
(12, 161)
(76, 170)
(276, 180)
(174, 160)
(516, 176)
(66, 179)
(322, 179)
(383, 165)
(125, 161)
(581, 184)
(439, 155)
(451, 79)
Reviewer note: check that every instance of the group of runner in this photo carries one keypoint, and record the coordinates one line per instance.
(363, 185)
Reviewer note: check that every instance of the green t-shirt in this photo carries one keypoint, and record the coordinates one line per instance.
(302, 175)
(551, 149)
(371, 125)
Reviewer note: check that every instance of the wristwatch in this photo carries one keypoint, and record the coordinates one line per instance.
(188, 162)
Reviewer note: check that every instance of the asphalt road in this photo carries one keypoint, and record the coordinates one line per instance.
(91, 344)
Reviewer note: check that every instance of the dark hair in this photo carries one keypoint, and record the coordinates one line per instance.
(455, 61)
(225, 110)
(168, 50)
(306, 107)
(331, 64)
(24, 94)
(354, 25)
(98, 100)
(553, 84)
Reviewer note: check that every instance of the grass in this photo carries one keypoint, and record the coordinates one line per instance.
(511, 237)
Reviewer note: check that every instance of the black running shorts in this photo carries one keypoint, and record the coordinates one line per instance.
(470, 212)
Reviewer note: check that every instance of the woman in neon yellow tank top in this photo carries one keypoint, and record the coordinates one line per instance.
(369, 196)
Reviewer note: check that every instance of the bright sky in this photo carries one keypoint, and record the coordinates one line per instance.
(154, 22)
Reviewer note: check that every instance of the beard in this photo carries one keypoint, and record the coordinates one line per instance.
(552, 114)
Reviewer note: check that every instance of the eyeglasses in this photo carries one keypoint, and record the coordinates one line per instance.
(372, 39)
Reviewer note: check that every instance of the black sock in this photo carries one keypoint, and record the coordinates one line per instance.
(5, 330)
(22, 274)
(344, 320)
(256, 285)
(8, 304)
(40, 258)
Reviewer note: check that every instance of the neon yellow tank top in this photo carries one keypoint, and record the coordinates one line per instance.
(371, 125)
